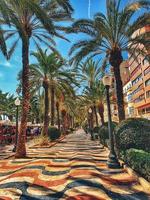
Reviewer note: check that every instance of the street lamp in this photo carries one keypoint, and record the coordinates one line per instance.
(17, 104)
(91, 123)
(112, 160)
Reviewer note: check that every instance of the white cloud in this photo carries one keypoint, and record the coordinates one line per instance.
(89, 9)
(6, 64)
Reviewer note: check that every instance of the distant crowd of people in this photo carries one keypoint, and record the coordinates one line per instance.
(8, 133)
(33, 131)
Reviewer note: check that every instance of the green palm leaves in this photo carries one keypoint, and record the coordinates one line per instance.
(112, 34)
(24, 21)
(51, 72)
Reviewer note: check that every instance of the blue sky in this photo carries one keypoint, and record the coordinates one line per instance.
(9, 69)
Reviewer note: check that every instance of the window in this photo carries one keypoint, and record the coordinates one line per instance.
(137, 90)
(141, 111)
(148, 110)
(140, 98)
(131, 110)
(148, 94)
(145, 60)
(129, 97)
(147, 82)
(146, 71)
(137, 79)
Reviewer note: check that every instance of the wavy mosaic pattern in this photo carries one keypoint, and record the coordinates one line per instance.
(74, 169)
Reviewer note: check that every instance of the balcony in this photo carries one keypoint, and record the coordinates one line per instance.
(145, 78)
(136, 85)
(139, 93)
(134, 66)
(148, 100)
(139, 104)
(136, 74)
(145, 67)
(147, 88)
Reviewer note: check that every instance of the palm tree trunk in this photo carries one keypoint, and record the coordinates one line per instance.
(92, 119)
(21, 148)
(46, 111)
(96, 118)
(52, 105)
(64, 121)
(58, 115)
(115, 60)
(101, 112)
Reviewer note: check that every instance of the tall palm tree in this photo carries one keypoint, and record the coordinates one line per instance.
(31, 20)
(35, 108)
(56, 78)
(94, 97)
(110, 35)
(91, 76)
(90, 71)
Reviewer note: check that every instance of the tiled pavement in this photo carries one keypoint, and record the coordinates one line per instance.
(6, 150)
(74, 169)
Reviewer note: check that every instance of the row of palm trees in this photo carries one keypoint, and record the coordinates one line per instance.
(30, 20)
(108, 35)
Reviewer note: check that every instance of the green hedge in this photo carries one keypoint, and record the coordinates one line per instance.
(96, 129)
(139, 161)
(133, 133)
(104, 134)
(53, 133)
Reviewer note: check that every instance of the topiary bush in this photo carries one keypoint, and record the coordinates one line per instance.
(72, 129)
(96, 129)
(53, 133)
(104, 134)
(139, 161)
(133, 133)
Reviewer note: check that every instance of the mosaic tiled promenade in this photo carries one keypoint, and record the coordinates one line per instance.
(74, 169)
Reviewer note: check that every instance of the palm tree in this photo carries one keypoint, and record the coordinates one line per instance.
(35, 108)
(56, 78)
(90, 71)
(94, 98)
(93, 90)
(31, 20)
(110, 35)
(7, 107)
(58, 114)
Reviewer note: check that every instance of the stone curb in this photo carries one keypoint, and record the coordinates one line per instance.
(144, 183)
(53, 144)
(32, 147)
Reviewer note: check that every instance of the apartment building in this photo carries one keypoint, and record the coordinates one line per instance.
(137, 88)
(140, 80)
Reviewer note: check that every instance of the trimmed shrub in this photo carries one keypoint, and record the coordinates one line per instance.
(96, 129)
(139, 161)
(53, 133)
(85, 128)
(133, 133)
(104, 134)
(72, 129)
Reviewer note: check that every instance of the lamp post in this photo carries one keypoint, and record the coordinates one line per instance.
(112, 160)
(90, 122)
(17, 104)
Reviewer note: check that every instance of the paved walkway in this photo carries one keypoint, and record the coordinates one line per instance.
(6, 150)
(74, 169)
